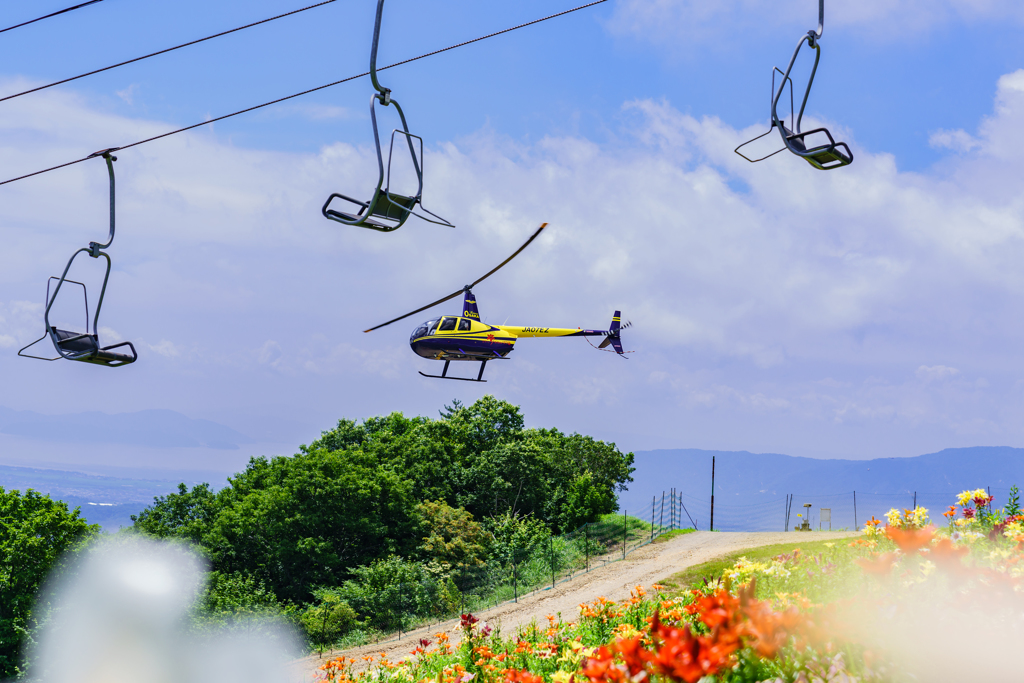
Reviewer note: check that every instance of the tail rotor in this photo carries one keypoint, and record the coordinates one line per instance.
(614, 337)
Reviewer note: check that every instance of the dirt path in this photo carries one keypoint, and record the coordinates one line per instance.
(645, 566)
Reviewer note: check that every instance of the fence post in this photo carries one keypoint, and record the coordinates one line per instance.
(855, 525)
(712, 493)
(915, 500)
(672, 509)
(623, 534)
(515, 579)
(654, 500)
(586, 543)
(661, 520)
(551, 545)
(785, 522)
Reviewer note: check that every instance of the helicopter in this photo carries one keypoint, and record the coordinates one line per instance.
(464, 337)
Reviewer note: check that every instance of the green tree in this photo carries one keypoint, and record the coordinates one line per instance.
(390, 590)
(186, 514)
(450, 536)
(328, 619)
(35, 531)
(585, 501)
(300, 522)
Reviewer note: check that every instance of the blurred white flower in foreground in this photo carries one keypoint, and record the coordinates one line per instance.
(122, 616)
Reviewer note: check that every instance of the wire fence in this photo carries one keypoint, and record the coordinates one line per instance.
(392, 611)
(845, 510)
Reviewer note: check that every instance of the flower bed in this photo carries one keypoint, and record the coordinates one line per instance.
(870, 610)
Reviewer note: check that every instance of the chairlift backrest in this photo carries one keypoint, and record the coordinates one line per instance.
(386, 210)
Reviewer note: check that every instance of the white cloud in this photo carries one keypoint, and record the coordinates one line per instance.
(956, 140)
(165, 348)
(768, 289)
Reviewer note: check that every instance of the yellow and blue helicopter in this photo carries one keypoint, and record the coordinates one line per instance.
(466, 338)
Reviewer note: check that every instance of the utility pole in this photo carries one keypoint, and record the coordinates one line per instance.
(712, 493)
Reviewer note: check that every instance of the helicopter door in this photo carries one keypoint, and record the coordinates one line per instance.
(447, 325)
(465, 325)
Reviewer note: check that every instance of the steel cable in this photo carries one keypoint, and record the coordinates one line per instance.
(52, 14)
(311, 90)
(161, 52)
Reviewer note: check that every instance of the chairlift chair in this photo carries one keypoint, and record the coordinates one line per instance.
(385, 211)
(824, 157)
(85, 346)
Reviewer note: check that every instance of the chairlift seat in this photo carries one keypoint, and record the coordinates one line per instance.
(86, 348)
(823, 157)
(391, 207)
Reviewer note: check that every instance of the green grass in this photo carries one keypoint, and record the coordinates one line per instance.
(669, 535)
(691, 577)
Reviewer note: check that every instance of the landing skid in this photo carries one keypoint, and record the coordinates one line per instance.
(444, 373)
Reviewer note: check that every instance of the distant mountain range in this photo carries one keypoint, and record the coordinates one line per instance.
(153, 428)
(107, 501)
(751, 488)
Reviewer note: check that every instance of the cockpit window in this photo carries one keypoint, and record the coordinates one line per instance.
(447, 325)
(420, 332)
(464, 324)
(432, 325)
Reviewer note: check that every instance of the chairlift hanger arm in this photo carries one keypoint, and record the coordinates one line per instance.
(467, 287)
(821, 22)
(384, 93)
(107, 155)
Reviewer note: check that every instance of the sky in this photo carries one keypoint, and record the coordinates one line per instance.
(870, 311)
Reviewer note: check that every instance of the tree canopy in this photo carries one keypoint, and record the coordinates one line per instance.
(388, 486)
(35, 531)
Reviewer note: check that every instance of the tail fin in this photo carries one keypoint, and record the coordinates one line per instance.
(469, 308)
(614, 334)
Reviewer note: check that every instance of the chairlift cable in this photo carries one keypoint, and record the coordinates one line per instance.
(311, 90)
(161, 52)
(53, 14)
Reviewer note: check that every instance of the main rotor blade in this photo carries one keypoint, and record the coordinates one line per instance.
(498, 267)
(455, 294)
(403, 317)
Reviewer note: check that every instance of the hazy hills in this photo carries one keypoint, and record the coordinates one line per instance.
(156, 428)
(750, 488)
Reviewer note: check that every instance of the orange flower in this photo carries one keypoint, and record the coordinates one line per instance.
(948, 557)
(879, 565)
(601, 667)
(633, 654)
(910, 540)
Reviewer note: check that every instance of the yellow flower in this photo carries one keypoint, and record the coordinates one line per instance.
(829, 545)
(561, 677)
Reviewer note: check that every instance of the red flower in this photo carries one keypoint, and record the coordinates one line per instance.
(968, 513)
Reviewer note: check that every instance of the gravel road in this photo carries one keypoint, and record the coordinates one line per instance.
(645, 566)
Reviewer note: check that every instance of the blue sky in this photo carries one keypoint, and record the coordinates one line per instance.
(871, 311)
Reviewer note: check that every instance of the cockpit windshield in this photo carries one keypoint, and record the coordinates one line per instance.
(426, 328)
